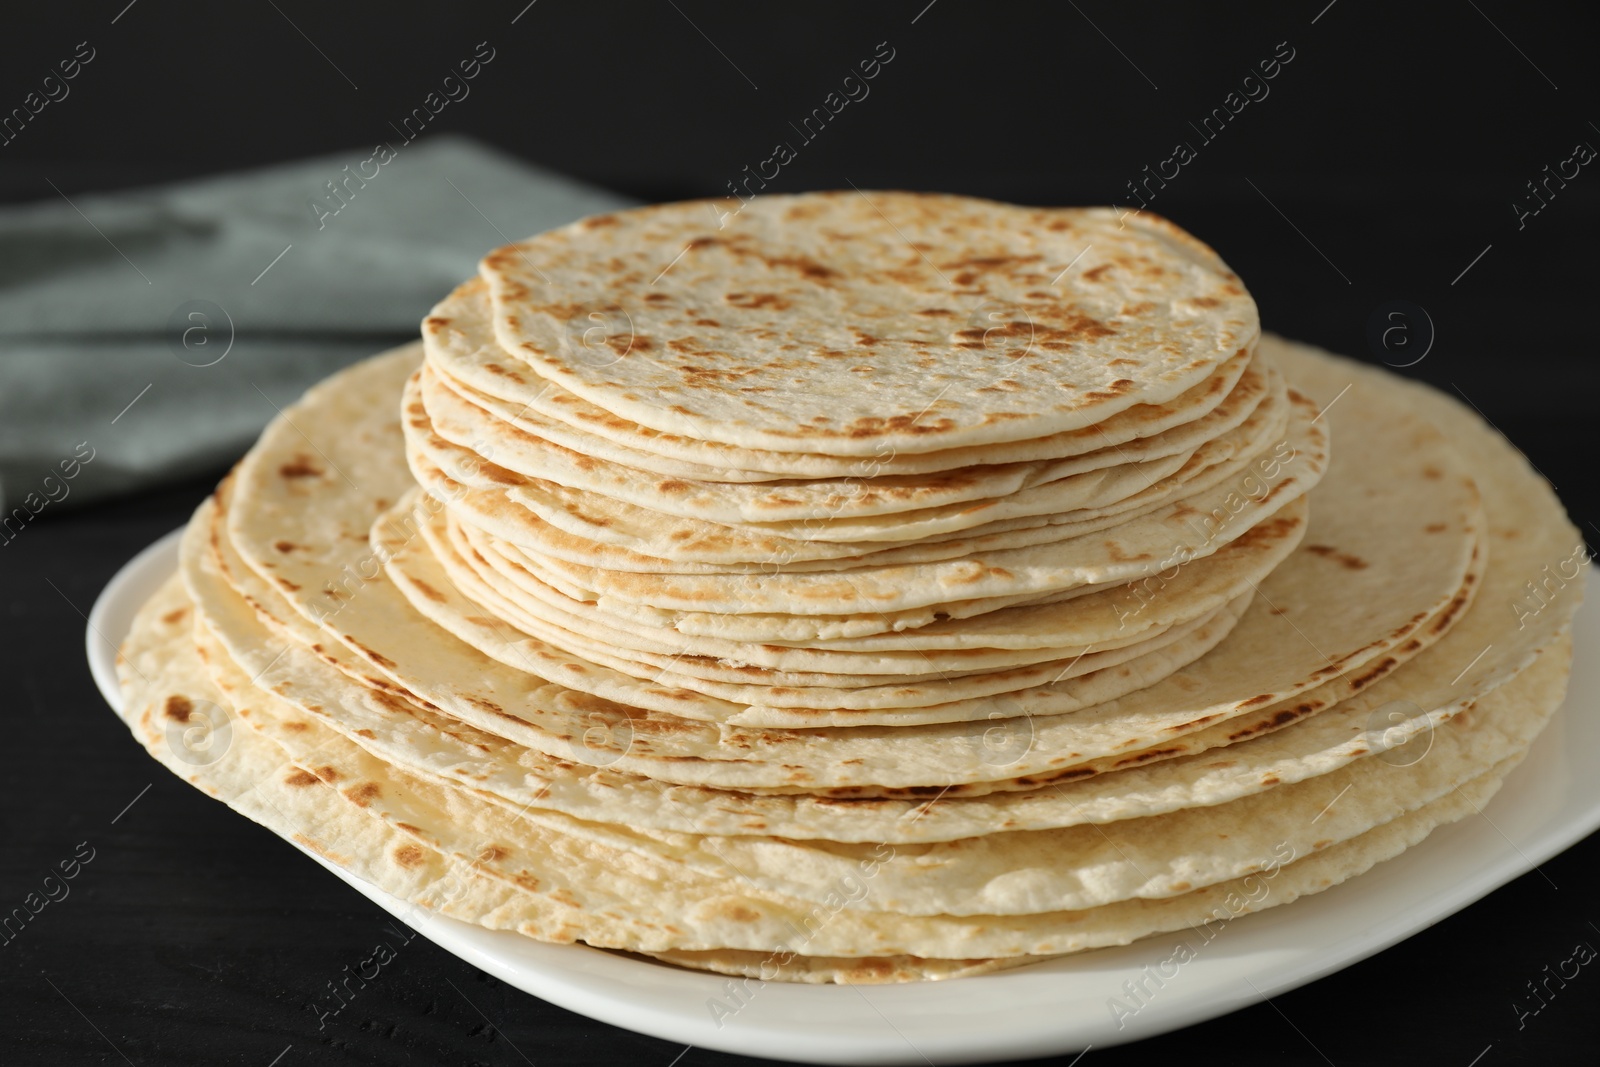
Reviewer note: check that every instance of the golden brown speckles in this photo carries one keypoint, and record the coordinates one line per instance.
(484, 704)
(805, 265)
(178, 708)
(759, 300)
(874, 426)
(175, 616)
(300, 779)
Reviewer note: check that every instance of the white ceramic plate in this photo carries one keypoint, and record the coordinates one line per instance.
(1547, 804)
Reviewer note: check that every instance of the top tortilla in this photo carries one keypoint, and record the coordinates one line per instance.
(817, 323)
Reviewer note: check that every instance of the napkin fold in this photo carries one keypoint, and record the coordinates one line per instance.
(151, 333)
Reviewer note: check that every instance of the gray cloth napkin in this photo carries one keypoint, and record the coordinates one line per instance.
(152, 333)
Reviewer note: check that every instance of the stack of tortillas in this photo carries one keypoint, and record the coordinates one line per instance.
(859, 588)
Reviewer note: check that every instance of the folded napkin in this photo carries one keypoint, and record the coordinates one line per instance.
(149, 334)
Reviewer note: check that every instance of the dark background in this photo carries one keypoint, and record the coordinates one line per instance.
(1387, 156)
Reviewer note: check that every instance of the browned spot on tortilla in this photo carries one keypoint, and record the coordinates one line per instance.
(363, 794)
(428, 591)
(739, 913)
(379, 659)
(298, 778)
(300, 467)
(175, 616)
(1268, 531)
(178, 708)
(1147, 755)
(1344, 559)
(1193, 724)
(1381, 668)
(1447, 617)
(409, 855)
(758, 300)
(1282, 718)
(804, 264)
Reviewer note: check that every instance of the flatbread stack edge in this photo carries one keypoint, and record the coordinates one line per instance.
(888, 588)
